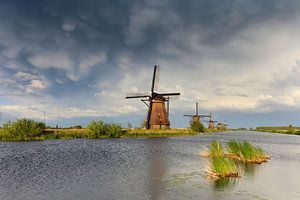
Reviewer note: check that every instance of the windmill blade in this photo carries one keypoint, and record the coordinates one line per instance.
(196, 108)
(169, 94)
(204, 116)
(154, 78)
(136, 95)
(133, 97)
(188, 115)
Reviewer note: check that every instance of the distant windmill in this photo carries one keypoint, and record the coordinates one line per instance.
(158, 115)
(221, 125)
(196, 117)
(211, 123)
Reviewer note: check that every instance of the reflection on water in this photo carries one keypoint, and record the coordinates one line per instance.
(225, 183)
(246, 169)
(150, 169)
(157, 168)
(250, 169)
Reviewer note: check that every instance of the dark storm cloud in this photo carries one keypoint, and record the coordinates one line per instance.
(82, 27)
(90, 53)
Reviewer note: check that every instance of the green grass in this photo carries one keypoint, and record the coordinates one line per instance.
(132, 133)
(27, 129)
(87, 134)
(221, 160)
(221, 167)
(50, 134)
(216, 149)
(279, 129)
(234, 147)
(246, 152)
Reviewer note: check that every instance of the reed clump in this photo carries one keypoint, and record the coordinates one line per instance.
(222, 160)
(221, 167)
(216, 149)
(246, 152)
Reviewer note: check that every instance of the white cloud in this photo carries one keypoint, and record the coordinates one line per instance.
(69, 26)
(37, 111)
(58, 60)
(91, 61)
(25, 76)
(37, 84)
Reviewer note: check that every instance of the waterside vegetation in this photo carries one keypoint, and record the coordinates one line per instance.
(221, 167)
(246, 152)
(222, 161)
(28, 129)
(130, 133)
(279, 129)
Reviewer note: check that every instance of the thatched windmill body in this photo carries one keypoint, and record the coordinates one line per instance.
(221, 125)
(211, 123)
(158, 114)
(196, 116)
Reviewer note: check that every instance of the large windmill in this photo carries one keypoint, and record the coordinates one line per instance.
(158, 115)
(196, 116)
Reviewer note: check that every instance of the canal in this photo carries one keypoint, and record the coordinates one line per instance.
(145, 168)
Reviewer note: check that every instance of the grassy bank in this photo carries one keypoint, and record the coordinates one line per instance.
(130, 133)
(28, 129)
(279, 129)
(51, 134)
(85, 134)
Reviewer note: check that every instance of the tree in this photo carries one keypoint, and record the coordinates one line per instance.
(197, 126)
(129, 126)
(96, 129)
(114, 130)
(99, 129)
(24, 128)
(291, 129)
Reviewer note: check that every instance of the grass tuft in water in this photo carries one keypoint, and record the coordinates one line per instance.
(216, 149)
(221, 167)
(246, 152)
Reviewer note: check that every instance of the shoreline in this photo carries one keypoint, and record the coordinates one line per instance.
(71, 133)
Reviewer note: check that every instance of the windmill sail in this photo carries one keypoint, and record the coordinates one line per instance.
(157, 116)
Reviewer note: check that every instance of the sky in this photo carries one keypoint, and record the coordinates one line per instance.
(70, 62)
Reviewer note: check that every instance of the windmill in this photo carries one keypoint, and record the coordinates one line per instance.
(211, 123)
(196, 117)
(221, 125)
(158, 115)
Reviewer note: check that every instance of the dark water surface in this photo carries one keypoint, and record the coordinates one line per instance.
(157, 168)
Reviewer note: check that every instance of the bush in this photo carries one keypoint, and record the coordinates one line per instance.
(96, 129)
(100, 129)
(197, 126)
(291, 129)
(23, 129)
(114, 130)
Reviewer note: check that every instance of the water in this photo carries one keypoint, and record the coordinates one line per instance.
(157, 168)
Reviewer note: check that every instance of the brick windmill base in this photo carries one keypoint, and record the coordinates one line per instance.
(159, 117)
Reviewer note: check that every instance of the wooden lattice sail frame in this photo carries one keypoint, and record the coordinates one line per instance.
(158, 115)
